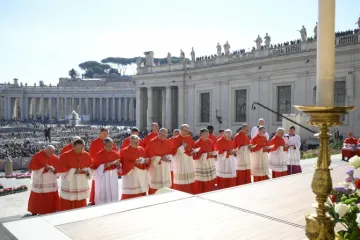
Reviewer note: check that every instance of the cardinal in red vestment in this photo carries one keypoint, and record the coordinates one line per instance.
(242, 145)
(106, 165)
(204, 163)
(96, 146)
(158, 150)
(126, 142)
(44, 196)
(183, 147)
(69, 146)
(349, 147)
(176, 132)
(221, 134)
(277, 159)
(135, 178)
(154, 133)
(76, 168)
(225, 163)
(259, 156)
(212, 136)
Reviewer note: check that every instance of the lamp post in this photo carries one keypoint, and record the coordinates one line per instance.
(320, 225)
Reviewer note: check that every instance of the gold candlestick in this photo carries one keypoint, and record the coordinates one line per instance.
(320, 225)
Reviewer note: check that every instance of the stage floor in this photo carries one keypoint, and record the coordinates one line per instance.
(268, 210)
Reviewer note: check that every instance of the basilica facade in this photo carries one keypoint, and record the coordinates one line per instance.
(93, 99)
(220, 89)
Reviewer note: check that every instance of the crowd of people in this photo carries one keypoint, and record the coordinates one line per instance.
(156, 162)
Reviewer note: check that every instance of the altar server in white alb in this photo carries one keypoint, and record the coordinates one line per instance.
(135, 178)
(277, 159)
(255, 130)
(225, 163)
(106, 164)
(158, 150)
(292, 154)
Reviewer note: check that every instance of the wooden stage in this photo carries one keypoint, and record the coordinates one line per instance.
(271, 210)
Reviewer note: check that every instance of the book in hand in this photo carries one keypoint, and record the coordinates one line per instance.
(195, 150)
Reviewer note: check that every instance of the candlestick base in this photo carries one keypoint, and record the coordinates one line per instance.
(320, 226)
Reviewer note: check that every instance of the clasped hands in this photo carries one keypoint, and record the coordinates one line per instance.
(117, 164)
(49, 168)
(78, 171)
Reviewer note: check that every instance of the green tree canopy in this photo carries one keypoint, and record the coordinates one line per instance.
(93, 67)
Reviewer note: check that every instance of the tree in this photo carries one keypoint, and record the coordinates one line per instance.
(73, 73)
(93, 67)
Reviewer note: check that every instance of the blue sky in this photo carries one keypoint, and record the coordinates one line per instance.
(43, 39)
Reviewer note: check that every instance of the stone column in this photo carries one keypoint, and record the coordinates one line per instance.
(181, 105)
(139, 106)
(5, 108)
(57, 108)
(101, 109)
(150, 106)
(34, 108)
(22, 105)
(94, 109)
(42, 107)
(163, 107)
(120, 109)
(113, 109)
(87, 111)
(325, 63)
(131, 109)
(107, 106)
(126, 115)
(66, 110)
(50, 107)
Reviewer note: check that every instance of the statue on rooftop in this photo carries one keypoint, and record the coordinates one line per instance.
(21, 85)
(34, 84)
(218, 49)
(168, 58)
(149, 59)
(192, 54)
(138, 63)
(258, 42)
(303, 34)
(315, 31)
(25, 84)
(267, 40)
(227, 48)
(358, 23)
(182, 56)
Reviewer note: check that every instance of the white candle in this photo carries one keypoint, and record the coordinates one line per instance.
(325, 64)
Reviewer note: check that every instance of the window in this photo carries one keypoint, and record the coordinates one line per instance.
(339, 94)
(283, 100)
(205, 107)
(240, 105)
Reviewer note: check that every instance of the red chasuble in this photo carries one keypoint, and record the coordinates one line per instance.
(242, 176)
(260, 142)
(346, 152)
(42, 203)
(157, 147)
(96, 146)
(206, 146)
(213, 138)
(73, 160)
(104, 157)
(190, 144)
(277, 142)
(148, 138)
(66, 148)
(358, 149)
(222, 146)
(128, 156)
(171, 168)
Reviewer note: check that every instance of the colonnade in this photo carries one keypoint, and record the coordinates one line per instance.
(89, 108)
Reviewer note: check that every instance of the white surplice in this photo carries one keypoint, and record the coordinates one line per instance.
(135, 181)
(159, 174)
(259, 163)
(106, 185)
(293, 156)
(183, 167)
(205, 168)
(75, 187)
(225, 166)
(43, 182)
(277, 160)
(255, 131)
(243, 158)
